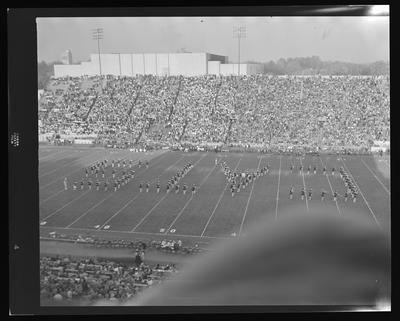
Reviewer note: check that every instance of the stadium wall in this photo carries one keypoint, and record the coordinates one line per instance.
(138, 64)
(187, 64)
(68, 70)
(214, 67)
(254, 69)
(126, 64)
(161, 64)
(232, 69)
(150, 64)
(109, 63)
(89, 69)
(221, 59)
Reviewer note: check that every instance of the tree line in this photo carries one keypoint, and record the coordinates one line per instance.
(45, 71)
(315, 66)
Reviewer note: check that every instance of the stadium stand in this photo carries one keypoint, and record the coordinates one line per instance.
(87, 279)
(259, 109)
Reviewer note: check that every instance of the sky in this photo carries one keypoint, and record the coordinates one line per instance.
(351, 39)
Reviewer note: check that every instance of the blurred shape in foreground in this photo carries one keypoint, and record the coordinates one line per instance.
(318, 258)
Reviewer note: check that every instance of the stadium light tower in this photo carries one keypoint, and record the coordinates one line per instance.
(239, 33)
(98, 35)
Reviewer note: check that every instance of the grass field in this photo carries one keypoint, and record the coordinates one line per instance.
(210, 214)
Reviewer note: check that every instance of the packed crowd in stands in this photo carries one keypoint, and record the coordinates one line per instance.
(87, 279)
(67, 278)
(257, 109)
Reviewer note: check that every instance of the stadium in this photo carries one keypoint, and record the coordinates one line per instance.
(160, 157)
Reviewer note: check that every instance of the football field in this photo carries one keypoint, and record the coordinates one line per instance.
(212, 213)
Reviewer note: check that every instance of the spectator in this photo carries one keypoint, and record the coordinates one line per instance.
(90, 279)
(138, 259)
(259, 110)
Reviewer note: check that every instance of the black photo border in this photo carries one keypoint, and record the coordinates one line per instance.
(23, 186)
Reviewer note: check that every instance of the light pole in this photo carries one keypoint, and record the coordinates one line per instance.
(97, 35)
(239, 32)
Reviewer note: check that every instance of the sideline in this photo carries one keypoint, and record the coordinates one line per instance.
(56, 247)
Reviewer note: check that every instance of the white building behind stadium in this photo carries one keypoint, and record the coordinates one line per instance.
(158, 64)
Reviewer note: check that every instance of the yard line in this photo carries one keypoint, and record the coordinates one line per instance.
(41, 202)
(382, 160)
(327, 177)
(385, 188)
(248, 200)
(155, 179)
(149, 212)
(291, 161)
(119, 211)
(101, 201)
(50, 155)
(187, 203)
(65, 205)
(129, 202)
(65, 165)
(277, 190)
(386, 162)
(69, 174)
(45, 200)
(219, 200)
(179, 214)
(155, 206)
(130, 232)
(365, 200)
(78, 169)
(94, 206)
(304, 183)
(43, 165)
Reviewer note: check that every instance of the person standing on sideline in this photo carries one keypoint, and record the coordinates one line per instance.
(291, 193)
(184, 189)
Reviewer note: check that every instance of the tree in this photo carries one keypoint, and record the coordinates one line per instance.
(314, 65)
(293, 66)
(379, 68)
(273, 69)
(45, 71)
(43, 74)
